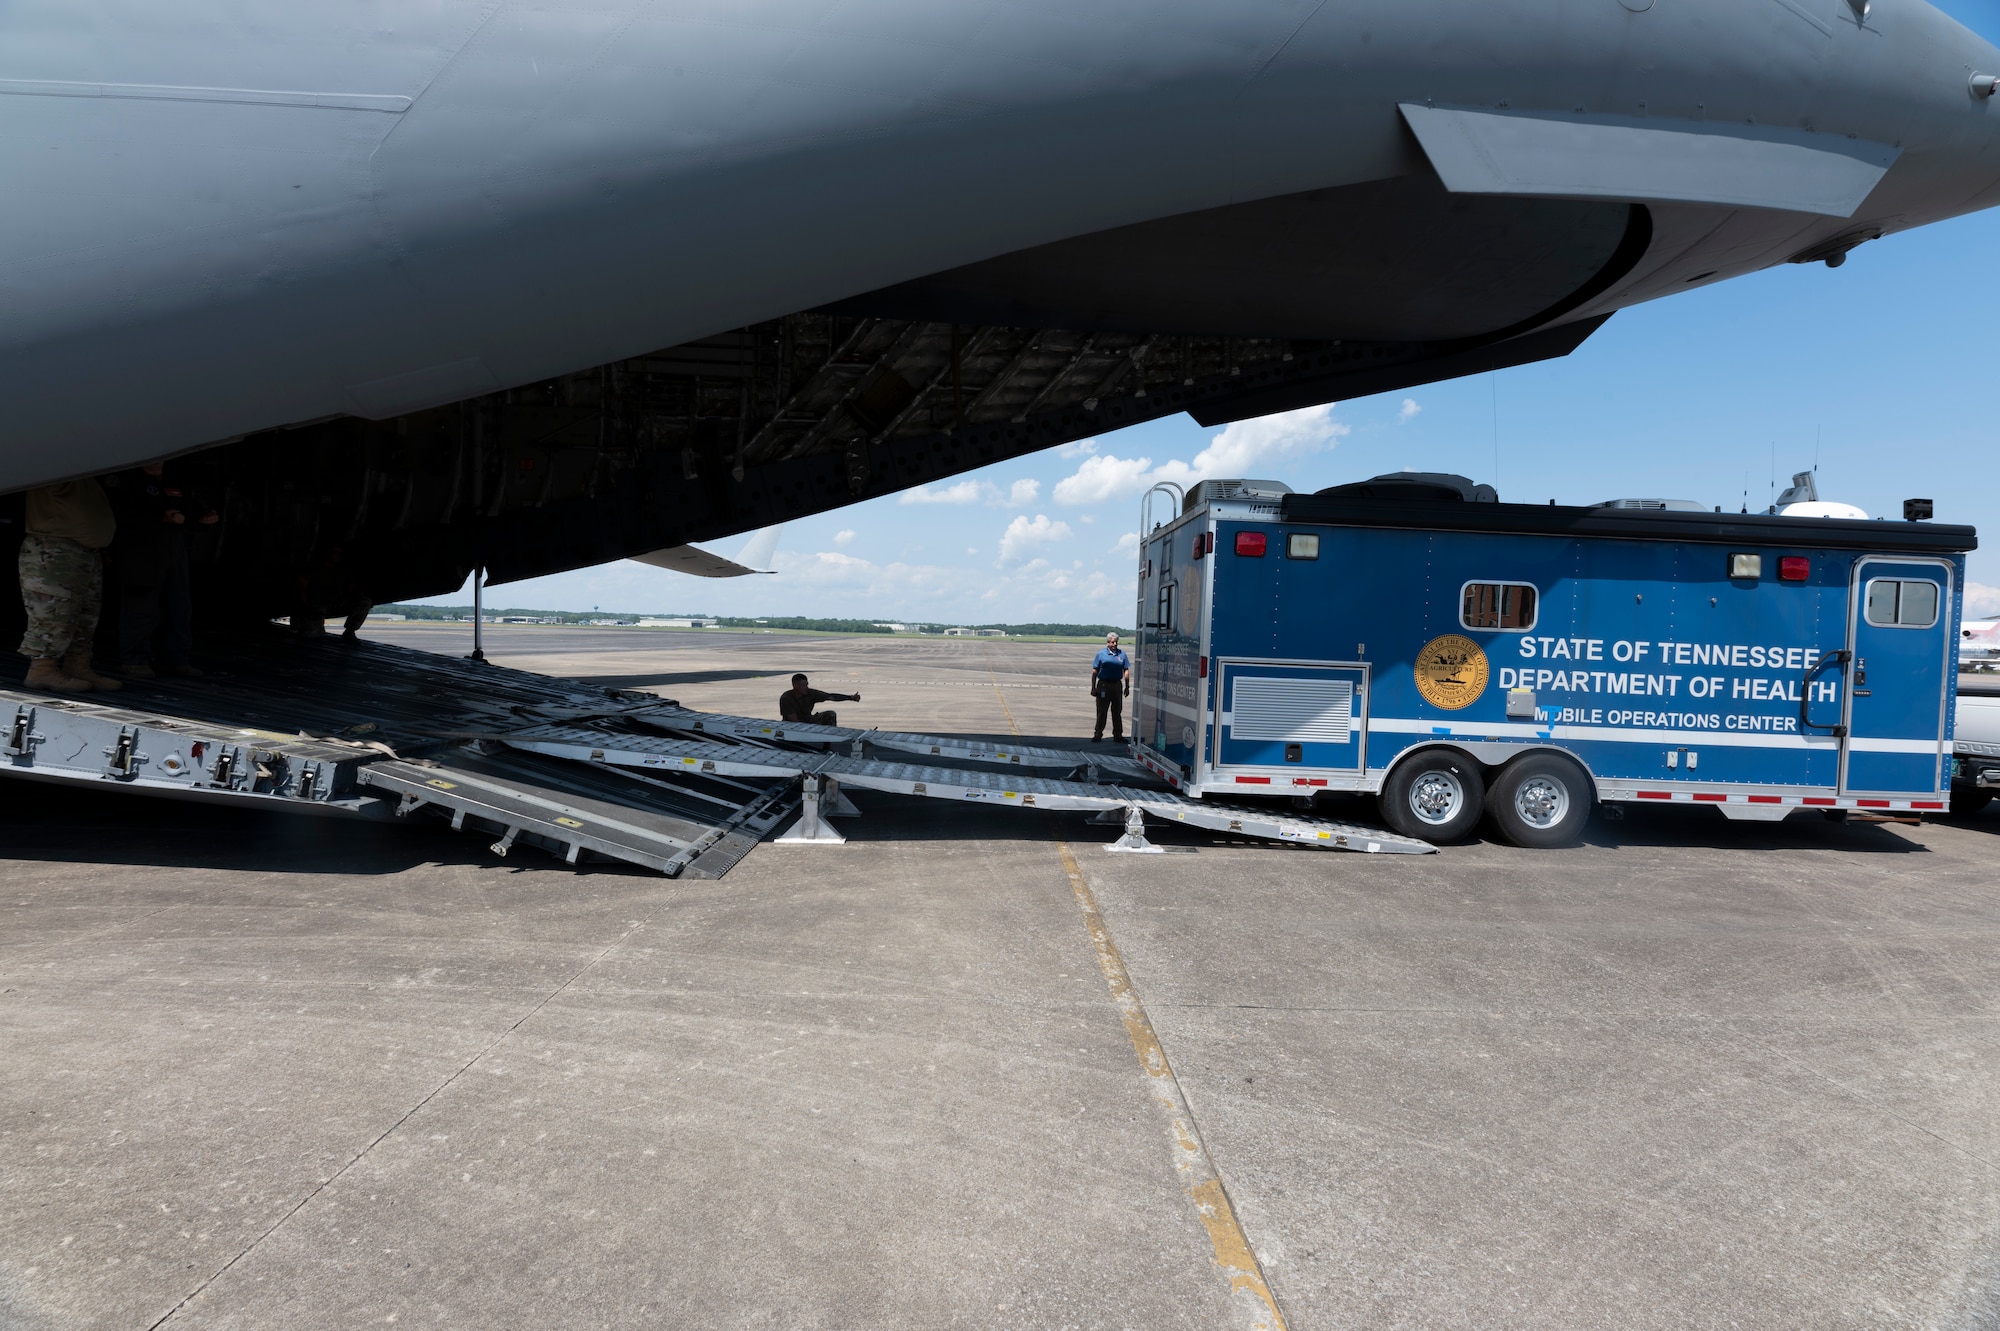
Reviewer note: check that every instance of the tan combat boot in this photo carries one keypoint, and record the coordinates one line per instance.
(77, 666)
(45, 674)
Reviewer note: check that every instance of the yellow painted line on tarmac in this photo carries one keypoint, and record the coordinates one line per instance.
(1192, 1162)
(1191, 1159)
(998, 694)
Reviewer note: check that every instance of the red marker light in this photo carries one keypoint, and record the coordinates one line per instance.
(1201, 667)
(1250, 543)
(1794, 568)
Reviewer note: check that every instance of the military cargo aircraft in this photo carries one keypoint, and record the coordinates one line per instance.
(431, 286)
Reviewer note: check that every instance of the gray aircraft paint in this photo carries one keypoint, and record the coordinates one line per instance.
(224, 217)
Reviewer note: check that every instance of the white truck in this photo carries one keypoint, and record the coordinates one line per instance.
(1975, 766)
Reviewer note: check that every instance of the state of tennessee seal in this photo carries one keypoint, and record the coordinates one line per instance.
(1451, 672)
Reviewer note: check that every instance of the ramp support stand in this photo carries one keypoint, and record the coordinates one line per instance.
(833, 801)
(1134, 841)
(812, 827)
(478, 614)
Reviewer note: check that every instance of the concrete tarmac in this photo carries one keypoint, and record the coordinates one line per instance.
(262, 1073)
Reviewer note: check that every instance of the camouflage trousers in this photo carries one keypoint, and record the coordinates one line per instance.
(62, 588)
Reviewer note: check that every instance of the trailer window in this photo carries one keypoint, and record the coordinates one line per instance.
(1897, 603)
(1506, 606)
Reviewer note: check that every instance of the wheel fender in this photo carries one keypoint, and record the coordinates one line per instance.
(1419, 750)
(1584, 767)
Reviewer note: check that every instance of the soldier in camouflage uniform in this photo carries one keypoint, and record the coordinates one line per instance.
(62, 584)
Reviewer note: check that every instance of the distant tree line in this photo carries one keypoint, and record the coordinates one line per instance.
(1057, 630)
(797, 623)
(805, 623)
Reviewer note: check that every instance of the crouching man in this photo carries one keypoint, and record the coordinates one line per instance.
(797, 703)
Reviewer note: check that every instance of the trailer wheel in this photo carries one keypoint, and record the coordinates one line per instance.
(1436, 795)
(1541, 801)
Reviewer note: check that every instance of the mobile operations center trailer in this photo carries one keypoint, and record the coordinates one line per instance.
(1412, 636)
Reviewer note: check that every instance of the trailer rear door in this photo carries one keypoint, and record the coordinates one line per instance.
(1900, 630)
(1291, 715)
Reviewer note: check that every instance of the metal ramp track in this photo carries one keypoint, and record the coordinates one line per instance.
(571, 810)
(958, 747)
(82, 742)
(1009, 789)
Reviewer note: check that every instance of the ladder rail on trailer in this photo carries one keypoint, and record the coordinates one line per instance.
(375, 731)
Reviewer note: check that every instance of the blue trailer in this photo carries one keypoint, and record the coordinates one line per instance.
(1415, 638)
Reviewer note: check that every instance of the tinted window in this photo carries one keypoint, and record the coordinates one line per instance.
(1498, 605)
(1909, 604)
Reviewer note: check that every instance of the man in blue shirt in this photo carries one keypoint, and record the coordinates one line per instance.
(1110, 682)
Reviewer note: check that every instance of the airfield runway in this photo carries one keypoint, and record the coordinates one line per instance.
(969, 1070)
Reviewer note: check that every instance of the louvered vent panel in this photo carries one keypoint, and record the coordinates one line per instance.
(1312, 711)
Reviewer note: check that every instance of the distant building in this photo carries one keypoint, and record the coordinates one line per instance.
(377, 618)
(991, 633)
(895, 628)
(960, 633)
(678, 623)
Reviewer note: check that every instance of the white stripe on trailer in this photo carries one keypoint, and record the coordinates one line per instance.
(1473, 732)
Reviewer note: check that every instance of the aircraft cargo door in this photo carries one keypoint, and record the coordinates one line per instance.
(1291, 716)
(1904, 660)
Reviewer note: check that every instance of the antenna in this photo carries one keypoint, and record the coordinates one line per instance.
(1493, 380)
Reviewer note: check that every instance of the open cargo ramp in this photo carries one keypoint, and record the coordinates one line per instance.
(368, 730)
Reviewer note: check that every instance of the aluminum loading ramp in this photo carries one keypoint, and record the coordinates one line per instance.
(1012, 789)
(371, 730)
(570, 810)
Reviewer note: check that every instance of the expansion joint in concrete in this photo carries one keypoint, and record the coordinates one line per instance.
(384, 1135)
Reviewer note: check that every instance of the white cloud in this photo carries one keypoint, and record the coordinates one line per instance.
(836, 583)
(1023, 492)
(1082, 448)
(1244, 448)
(1104, 478)
(843, 537)
(1022, 536)
(1128, 544)
(1409, 409)
(965, 492)
(1981, 600)
(835, 560)
(972, 549)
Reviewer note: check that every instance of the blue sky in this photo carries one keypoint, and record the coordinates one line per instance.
(1886, 371)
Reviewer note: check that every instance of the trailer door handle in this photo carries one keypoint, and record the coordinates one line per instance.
(1806, 723)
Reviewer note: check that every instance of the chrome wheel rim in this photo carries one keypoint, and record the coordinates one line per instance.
(1541, 802)
(1436, 797)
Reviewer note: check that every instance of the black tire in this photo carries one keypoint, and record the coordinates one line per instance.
(1541, 801)
(1435, 796)
(1969, 801)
